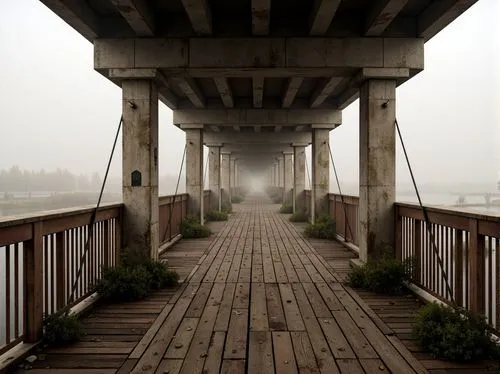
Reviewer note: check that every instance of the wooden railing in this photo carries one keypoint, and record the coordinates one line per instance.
(468, 245)
(346, 216)
(40, 256)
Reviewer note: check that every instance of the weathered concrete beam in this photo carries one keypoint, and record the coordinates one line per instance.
(225, 91)
(277, 128)
(191, 90)
(291, 90)
(323, 90)
(439, 14)
(78, 15)
(244, 56)
(237, 128)
(258, 91)
(322, 16)
(200, 15)
(381, 15)
(137, 14)
(256, 150)
(256, 117)
(261, 10)
(258, 138)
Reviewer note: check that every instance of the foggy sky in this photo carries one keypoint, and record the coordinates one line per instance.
(56, 111)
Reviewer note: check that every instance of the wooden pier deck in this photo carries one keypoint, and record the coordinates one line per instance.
(257, 298)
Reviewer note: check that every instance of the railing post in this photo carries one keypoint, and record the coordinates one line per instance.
(398, 234)
(118, 236)
(459, 268)
(33, 285)
(105, 248)
(60, 270)
(417, 244)
(477, 268)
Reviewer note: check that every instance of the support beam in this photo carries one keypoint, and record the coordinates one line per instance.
(276, 56)
(194, 171)
(376, 167)
(439, 14)
(265, 139)
(215, 128)
(277, 128)
(291, 90)
(288, 178)
(140, 168)
(381, 15)
(261, 10)
(258, 91)
(237, 128)
(256, 128)
(320, 171)
(322, 16)
(299, 178)
(225, 177)
(225, 91)
(200, 16)
(257, 117)
(191, 90)
(323, 90)
(137, 14)
(214, 176)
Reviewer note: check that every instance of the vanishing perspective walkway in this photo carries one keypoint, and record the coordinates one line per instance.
(258, 299)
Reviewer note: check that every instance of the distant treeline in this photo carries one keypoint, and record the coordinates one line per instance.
(17, 180)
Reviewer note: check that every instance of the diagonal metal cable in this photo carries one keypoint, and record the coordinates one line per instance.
(427, 221)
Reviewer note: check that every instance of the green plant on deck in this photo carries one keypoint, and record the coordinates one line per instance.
(161, 276)
(323, 228)
(191, 228)
(386, 276)
(226, 208)
(454, 334)
(277, 199)
(61, 328)
(299, 217)
(216, 216)
(236, 199)
(286, 209)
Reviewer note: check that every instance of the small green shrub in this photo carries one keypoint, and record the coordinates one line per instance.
(226, 208)
(236, 199)
(124, 283)
(299, 217)
(386, 276)
(161, 277)
(216, 216)
(277, 199)
(454, 334)
(61, 328)
(191, 229)
(323, 228)
(286, 209)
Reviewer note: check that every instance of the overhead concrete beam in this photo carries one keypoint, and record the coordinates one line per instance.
(211, 57)
(256, 117)
(215, 128)
(237, 128)
(322, 16)
(381, 15)
(225, 91)
(323, 90)
(191, 90)
(258, 91)
(277, 128)
(260, 138)
(137, 14)
(78, 15)
(200, 15)
(261, 10)
(439, 14)
(256, 128)
(291, 90)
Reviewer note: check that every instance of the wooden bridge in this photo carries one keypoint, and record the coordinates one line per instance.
(256, 297)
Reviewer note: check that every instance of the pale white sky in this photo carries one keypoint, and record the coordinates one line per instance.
(56, 111)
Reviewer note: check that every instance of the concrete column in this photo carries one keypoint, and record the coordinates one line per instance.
(288, 178)
(276, 175)
(320, 171)
(140, 168)
(299, 177)
(281, 175)
(232, 165)
(194, 171)
(225, 177)
(377, 183)
(214, 175)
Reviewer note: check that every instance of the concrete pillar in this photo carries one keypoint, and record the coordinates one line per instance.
(232, 165)
(281, 175)
(225, 177)
(377, 183)
(288, 178)
(140, 168)
(214, 175)
(320, 171)
(194, 171)
(276, 174)
(299, 177)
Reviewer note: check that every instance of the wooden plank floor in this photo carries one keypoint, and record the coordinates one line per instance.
(260, 299)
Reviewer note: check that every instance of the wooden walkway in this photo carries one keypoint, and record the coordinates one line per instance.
(258, 298)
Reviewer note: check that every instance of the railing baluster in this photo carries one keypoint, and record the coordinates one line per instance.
(477, 268)
(60, 251)
(417, 245)
(16, 290)
(7, 294)
(33, 290)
